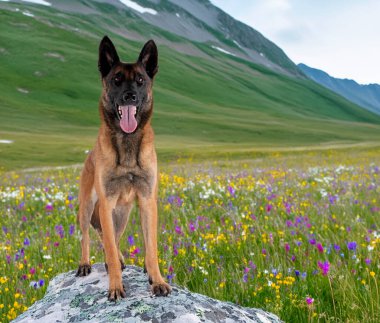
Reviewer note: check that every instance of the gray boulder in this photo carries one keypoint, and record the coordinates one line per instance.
(84, 299)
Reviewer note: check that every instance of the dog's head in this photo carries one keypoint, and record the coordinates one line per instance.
(127, 88)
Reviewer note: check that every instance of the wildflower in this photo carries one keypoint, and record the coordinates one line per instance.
(59, 230)
(26, 242)
(372, 274)
(312, 241)
(287, 247)
(367, 261)
(297, 272)
(71, 229)
(49, 208)
(41, 282)
(324, 266)
(178, 229)
(309, 300)
(191, 227)
(24, 218)
(351, 245)
(175, 200)
(231, 190)
(320, 247)
(135, 251)
(131, 240)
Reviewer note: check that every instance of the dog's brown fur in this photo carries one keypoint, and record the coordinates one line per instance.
(120, 169)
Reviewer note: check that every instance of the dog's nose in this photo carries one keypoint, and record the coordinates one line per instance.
(130, 96)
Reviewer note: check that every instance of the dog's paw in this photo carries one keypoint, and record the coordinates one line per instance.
(83, 270)
(161, 289)
(116, 293)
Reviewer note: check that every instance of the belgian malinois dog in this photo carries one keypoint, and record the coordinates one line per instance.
(122, 167)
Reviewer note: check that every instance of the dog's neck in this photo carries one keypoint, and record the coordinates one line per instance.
(126, 147)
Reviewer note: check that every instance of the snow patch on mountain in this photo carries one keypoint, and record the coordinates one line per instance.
(137, 7)
(42, 2)
(223, 50)
(27, 13)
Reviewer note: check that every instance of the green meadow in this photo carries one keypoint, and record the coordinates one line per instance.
(213, 105)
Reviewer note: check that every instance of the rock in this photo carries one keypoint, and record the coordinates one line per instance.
(84, 299)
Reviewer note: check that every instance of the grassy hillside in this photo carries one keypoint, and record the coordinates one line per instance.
(49, 89)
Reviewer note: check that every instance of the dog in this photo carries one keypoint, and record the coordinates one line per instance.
(122, 167)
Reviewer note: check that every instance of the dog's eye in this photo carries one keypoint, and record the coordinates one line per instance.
(117, 79)
(140, 80)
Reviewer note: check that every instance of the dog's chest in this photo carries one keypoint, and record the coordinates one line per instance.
(124, 180)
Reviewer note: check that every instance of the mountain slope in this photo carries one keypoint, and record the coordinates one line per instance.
(207, 102)
(367, 96)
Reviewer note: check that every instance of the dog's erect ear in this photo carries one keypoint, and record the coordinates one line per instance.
(107, 56)
(148, 57)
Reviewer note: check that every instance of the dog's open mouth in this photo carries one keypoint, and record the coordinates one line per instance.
(127, 114)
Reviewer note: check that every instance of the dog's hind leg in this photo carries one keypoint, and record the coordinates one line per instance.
(120, 220)
(87, 200)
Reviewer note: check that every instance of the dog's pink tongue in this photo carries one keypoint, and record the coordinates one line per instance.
(128, 121)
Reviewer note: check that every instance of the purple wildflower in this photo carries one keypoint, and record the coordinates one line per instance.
(309, 300)
(71, 229)
(60, 230)
(231, 190)
(320, 247)
(324, 267)
(49, 208)
(131, 240)
(178, 229)
(312, 241)
(26, 242)
(352, 245)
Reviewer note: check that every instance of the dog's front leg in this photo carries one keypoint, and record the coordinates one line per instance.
(116, 288)
(148, 215)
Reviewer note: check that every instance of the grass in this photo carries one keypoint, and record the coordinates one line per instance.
(294, 233)
(208, 104)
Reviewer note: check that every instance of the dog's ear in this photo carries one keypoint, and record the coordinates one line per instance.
(149, 57)
(107, 56)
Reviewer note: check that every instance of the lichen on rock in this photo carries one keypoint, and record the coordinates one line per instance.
(84, 299)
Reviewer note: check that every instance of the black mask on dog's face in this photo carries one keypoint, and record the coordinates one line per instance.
(128, 87)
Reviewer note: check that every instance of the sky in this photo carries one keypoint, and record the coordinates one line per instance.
(340, 37)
